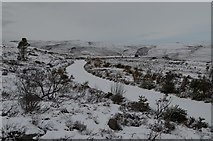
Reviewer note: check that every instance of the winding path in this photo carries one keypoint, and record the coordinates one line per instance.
(194, 108)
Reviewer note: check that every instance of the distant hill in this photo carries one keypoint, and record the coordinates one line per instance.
(177, 50)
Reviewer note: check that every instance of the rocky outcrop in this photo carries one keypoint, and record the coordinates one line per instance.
(142, 51)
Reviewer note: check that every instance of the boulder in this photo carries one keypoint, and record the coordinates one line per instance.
(113, 124)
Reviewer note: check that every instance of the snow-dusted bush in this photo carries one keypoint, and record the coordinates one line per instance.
(108, 134)
(196, 124)
(137, 75)
(157, 126)
(200, 124)
(12, 132)
(95, 96)
(85, 84)
(44, 84)
(162, 106)
(75, 125)
(117, 99)
(128, 69)
(161, 126)
(79, 126)
(184, 84)
(147, 84)
(168, 85)
(117, 90)
(175, 114)
(130, 119)
(64, 110)
(201, 89)
(30, 102)
(69, 125)
(119, 66)
(106, 64)
(35, 120)
(141, 106)
(153, 135)
(97, 62)
(5, 95)
(10, 110)
(168, 126)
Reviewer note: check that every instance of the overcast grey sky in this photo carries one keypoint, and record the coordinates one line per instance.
(109, 22)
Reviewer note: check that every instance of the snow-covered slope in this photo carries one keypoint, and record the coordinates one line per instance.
(183, 51)
(173, 50)
(56, 119)
(78, 48)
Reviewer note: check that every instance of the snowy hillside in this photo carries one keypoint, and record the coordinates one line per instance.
(51, 97)
(201, 52)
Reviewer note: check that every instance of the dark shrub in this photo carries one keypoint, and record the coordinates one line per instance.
(141, 106)
(108, 95)
(79, 126)
(119, 66)
(137, 75)
(13, 132)
(117, 99)
(168, 84)
(43, 83)
(184, 84)
(200, 124)
(196, 124)
(162, 105)
(128, 69)
(201, 89)
(30, 102)
(175, 114)
(117, 90)
(130, 119)
(168, 126)
(5, 94)
(106, 65)
(162, 126)
(4, 72)
(146, 84)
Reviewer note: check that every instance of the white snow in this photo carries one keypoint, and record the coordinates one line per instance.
(50, 122)
(194, 108)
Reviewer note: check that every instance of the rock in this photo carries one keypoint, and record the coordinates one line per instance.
(4, 72)
(37, 62)
(142, 51)
(113, 124)
(50, 52)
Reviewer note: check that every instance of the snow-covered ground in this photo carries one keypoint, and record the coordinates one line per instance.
(194, 108)
(56, 120)
(94, 49)
(188, 59)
